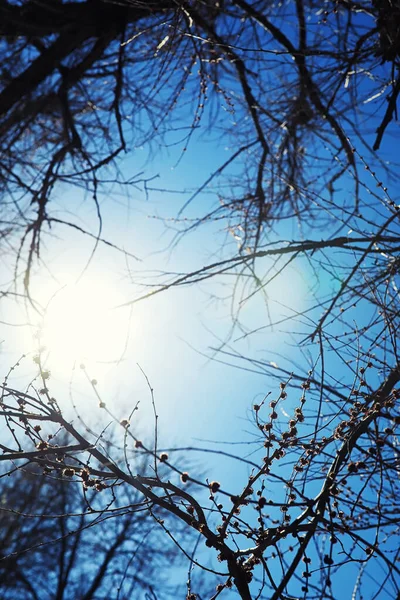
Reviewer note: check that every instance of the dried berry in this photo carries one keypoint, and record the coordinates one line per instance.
(42, 445)
(68, 472)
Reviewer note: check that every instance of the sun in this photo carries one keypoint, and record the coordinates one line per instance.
(83, 324)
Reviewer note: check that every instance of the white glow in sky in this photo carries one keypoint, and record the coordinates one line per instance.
(170, 335)
(82, 324)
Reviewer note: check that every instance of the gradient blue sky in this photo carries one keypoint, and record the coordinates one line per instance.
(198, 399)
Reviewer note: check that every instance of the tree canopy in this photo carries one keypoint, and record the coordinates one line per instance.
(296, 103)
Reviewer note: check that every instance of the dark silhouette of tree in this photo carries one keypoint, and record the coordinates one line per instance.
(59, 543)
(305, 96)
(322, 492)
(292, 86)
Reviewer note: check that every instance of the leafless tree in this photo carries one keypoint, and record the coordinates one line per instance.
(291, 87)
(59, 543)
(322, 494)
(305, 95)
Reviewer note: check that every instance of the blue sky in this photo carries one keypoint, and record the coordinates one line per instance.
(166, 331)
(200, 401)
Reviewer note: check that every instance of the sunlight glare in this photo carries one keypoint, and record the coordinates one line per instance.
(83, 324)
